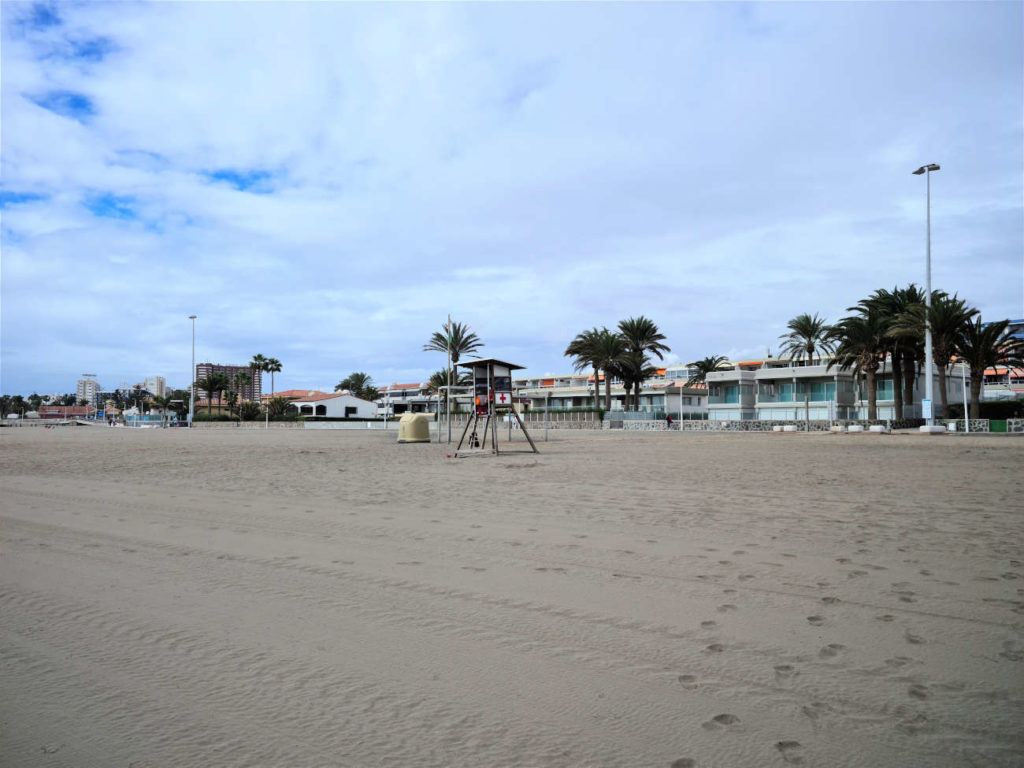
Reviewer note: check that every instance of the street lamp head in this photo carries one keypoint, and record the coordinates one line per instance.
(923, 168)
(932, 167)
(191, 317)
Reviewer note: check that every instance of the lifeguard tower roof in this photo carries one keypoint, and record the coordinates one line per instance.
(491, 360)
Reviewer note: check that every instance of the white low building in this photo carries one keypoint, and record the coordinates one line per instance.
(339, 405)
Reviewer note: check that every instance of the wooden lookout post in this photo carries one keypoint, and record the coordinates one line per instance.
(492, 395)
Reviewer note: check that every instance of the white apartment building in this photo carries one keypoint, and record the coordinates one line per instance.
(88, 389)
(155, 385)
(784, 390)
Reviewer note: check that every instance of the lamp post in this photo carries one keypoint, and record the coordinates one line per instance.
(927, 171)
(192, 389)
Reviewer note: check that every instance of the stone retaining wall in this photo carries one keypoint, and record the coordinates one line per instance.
(977, 425)
(1015, 425)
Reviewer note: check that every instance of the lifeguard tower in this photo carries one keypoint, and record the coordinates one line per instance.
(492, 395)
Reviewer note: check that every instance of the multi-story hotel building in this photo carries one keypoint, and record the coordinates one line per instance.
(155, 385)
(251, 391)
(783, 390)
(88, 389)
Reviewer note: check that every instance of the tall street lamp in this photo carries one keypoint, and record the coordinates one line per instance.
(929, 414)
(192, 389)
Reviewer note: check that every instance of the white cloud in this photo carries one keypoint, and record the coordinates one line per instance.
(532, 169)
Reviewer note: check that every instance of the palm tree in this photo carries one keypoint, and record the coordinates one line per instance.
(232, 397)
(806, 336)
(456, 337)
(910, 348)
(701, 368)
(986, 346)
(242, 380)
(584, 351)
(862, 347)
(610, 349)
(277, 406)
(946, 319)
(359, 384)
(258, 363)
(163, 402)
(901, 344)
(634, 368)
(272, 366)
(641, 336)
(439, 380)
(221, 382)
(207, 384)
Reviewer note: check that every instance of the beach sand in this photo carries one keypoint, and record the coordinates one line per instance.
(330, 598)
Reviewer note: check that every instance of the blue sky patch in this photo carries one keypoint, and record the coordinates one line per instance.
(93, 50)
(256, 181)
(43, 15)
(110, 206)
(77, 106)
(8, 199)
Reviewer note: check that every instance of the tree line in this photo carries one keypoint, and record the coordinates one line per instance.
(623, 354)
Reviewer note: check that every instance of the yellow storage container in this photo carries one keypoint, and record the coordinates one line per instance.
(414, 428)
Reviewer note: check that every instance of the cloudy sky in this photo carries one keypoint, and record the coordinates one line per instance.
(324, 182)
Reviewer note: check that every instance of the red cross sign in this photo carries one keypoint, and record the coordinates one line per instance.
(502, 398)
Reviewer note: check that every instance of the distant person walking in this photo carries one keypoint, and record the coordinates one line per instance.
(668, 420)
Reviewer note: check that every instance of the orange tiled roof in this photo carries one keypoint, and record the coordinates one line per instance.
(294, 393)
(318, 397)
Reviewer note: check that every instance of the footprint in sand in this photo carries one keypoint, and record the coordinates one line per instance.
(785, 671)
(844, 560)
(746, 576)
(684, 762)
(715, 648)
(720, 721)
(817, 621)
(830, 600)
(725, 562)
(815, 709)
(913, 724)
(726, 607)
(709, 624)
(885, 617)
(739, 552)
(856, 574)
(480, 570)
(1011, 652)
(898, 661)
(831, 650)
(918, 692)
(792, 751)
(689, 682)
(913, 639)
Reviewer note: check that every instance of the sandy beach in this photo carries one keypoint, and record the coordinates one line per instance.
(329, 598)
